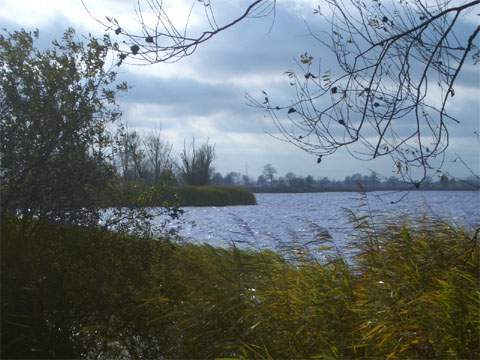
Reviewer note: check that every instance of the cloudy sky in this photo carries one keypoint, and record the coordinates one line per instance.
(204, 95)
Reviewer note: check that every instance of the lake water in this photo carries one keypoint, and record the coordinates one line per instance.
(280, 218)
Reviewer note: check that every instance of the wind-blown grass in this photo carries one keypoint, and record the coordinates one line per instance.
(410, 290)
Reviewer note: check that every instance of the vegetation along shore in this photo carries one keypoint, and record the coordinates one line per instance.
(409, 290)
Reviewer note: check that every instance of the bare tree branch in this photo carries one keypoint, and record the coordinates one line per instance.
(398, 64)
(158, 39)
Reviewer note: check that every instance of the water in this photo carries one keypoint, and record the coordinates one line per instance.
(280, 218)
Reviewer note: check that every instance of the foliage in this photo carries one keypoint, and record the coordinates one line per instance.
(408, 290)
(131, 207)
(55, 106)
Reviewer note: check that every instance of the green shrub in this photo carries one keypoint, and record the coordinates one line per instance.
(407, 291)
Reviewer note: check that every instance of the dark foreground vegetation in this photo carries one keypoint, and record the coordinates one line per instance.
(410, 291)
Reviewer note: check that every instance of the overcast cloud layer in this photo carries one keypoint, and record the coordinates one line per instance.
(204, 95)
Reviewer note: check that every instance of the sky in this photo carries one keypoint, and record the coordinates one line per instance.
(204, 95)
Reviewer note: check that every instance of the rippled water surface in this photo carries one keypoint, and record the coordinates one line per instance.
(279, 218)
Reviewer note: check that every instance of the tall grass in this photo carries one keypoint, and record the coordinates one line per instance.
(408, 290)
(213, 196)
(138, 195)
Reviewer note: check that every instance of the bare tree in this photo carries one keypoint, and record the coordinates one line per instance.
(131, 154)
(398, 63)
(137, 154)
(196, 163)
(269, 173)
(158, 154)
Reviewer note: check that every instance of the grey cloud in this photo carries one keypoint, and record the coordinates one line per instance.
(250, 48)
(247, 50)
(177, 91)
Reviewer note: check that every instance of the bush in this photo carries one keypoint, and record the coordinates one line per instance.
(407, 291)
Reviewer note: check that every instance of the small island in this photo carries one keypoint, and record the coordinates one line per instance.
(212, 196)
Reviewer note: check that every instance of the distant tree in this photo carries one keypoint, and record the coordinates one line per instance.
(269, 173)
(444, 181)
(452, 182)
(196, 163)
(246, 181)
(299, 183)
(122, 153)
(392, 181)
(324, 182)
(232, 178)
(309, 181)
(131, 153)
(356, 179)
(217, 179)
(347, 181)
(261, 180)
(373, 179)
(137, 154)
(55, 106)
(290, 178)
(158, 154)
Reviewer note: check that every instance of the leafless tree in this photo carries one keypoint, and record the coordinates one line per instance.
(398, 63)
(158, 154)
(131, 154)
(196, 163)
(269, 173)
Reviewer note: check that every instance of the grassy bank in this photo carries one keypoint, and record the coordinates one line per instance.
(411, 291)
(133, 194)
(213, 196)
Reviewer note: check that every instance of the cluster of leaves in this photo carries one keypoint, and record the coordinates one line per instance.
(407, 290)
(56, 150)
(55, 106)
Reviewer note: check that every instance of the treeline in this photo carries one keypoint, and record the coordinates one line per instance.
(150, 159)
(148, 169)
(268, 181)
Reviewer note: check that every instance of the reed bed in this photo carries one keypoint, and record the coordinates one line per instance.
(408, 289)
